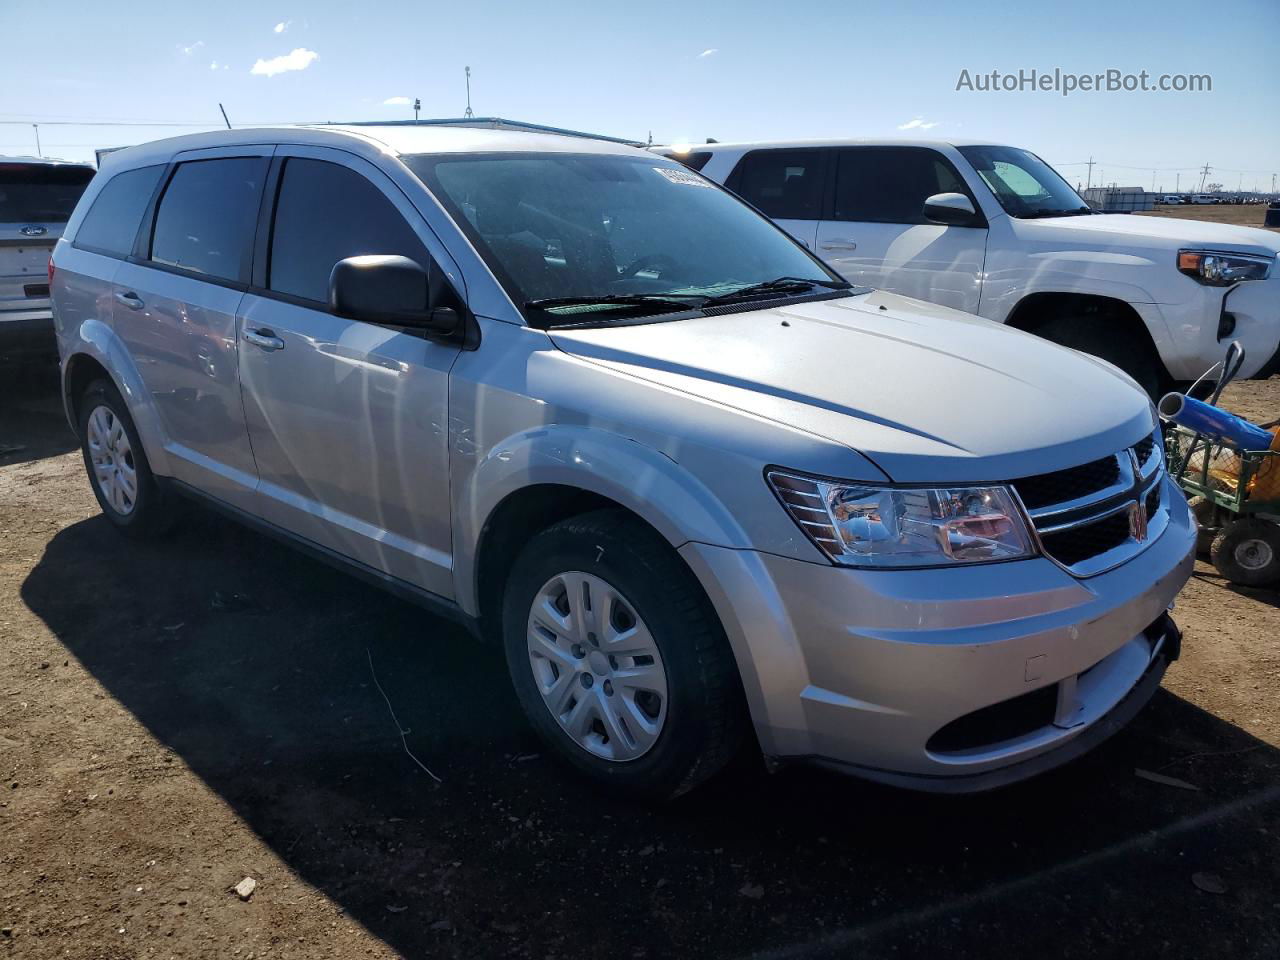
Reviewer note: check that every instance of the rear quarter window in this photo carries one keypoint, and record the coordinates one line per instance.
(783, 184)
(111, 225)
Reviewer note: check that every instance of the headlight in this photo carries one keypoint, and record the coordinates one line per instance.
(1223, 269)
(863, 526)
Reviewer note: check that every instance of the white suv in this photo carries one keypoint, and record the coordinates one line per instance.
(600, 410)
(993, 230)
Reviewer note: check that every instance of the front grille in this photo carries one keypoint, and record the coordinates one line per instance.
(1088, 517)
(1077, 544)
(1062, 486)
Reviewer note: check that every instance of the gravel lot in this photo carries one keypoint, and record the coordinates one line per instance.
(176, 717)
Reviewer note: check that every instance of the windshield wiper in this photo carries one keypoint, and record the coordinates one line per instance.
(676, 301)
(777, 285)
(1040, 214)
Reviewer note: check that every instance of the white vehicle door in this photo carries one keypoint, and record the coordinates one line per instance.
(785, 185)
(876, 234)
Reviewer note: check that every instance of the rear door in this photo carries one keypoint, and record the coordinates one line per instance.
(36, 200)
(876, 234)
(349, 420)
(785, 185)
(175, 309)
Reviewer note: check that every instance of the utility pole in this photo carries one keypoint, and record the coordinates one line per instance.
(40, 151)
(1204, 173)
(417, 105)
(1153, 181)
(1088, 180)
(468, 112)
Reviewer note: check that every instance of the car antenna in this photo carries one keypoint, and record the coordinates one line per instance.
(224, 116)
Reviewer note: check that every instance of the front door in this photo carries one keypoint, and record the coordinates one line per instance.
(877, 235)
(176, 308)
(349, 420)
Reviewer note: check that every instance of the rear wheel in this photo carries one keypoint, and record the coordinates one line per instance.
(117, 466)
(1247, 551)
(618, 659)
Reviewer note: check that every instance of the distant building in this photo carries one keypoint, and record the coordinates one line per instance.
(1119, 199)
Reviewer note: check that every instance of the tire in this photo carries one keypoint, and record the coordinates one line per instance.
(633, 735)
(118, 470)
(1098, 337)
(1207, 526)
(1247, 552)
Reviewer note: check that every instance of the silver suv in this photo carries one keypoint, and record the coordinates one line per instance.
(592, 405)
(36, 198)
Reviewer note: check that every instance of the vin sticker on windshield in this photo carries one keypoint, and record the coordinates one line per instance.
(684, 177)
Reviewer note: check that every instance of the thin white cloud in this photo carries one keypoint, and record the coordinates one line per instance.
(918, 123)
(282, 26)
(709, 52)
(213, 65)
(188, 51)
(396, 102)
(297, 59)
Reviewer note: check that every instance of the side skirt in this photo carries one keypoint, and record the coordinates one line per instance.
(394, 585)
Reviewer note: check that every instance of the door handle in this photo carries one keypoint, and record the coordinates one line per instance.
(130, 300)
(840, 245)
(263, 338)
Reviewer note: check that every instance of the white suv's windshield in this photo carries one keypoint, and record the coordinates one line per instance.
(578, 237)
(1025, 185)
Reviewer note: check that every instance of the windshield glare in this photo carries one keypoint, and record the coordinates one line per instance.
(570, 225)
(1024, 184)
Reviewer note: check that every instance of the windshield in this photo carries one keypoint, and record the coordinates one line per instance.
(592, 229)
(39, 193)
(1024, 184)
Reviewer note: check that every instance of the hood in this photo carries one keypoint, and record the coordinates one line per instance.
(931, 395)
(1171, 232)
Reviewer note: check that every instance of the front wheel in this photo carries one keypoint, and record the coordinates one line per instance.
(618, 659)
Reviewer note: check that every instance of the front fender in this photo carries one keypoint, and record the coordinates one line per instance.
(668, 497)
(94, 339)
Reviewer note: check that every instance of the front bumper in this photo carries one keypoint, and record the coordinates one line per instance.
(1254, 308)
(882, 672)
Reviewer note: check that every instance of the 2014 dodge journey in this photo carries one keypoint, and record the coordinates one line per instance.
(588, 402)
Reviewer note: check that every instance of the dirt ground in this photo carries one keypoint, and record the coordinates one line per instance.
(1242, 214)
(177, 716)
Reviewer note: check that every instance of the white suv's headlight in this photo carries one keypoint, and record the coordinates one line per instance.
(1223, 269)
(864, 526)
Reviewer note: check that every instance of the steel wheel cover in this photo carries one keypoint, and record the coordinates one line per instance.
(597, 667)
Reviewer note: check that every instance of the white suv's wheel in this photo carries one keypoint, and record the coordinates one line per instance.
(618, 658)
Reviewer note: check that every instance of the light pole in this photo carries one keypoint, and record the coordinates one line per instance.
(40, 151)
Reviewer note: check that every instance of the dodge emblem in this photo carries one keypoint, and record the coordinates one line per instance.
(1138, 521)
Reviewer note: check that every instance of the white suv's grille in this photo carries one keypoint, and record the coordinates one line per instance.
(1096, 516)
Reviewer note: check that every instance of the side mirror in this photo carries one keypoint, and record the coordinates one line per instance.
(953, 209)
(387, 289)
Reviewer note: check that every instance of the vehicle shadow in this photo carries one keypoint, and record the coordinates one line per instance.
(253, 664)
(32, 422)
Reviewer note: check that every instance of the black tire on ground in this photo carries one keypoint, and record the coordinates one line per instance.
(149, 513)
(705, 714)
(1247, 552)
(1207, 526)
(1103, 336)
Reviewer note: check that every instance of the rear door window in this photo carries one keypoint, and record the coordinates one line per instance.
(783, 184)
(40, 193)
(111, 225)
(205, 221)
(326, 212)
(890, 184)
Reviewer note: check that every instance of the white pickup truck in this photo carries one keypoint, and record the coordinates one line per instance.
(994, 230)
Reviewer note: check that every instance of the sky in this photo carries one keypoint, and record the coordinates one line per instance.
(744, 70)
